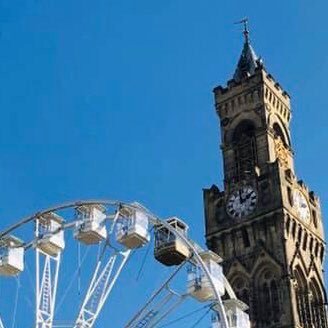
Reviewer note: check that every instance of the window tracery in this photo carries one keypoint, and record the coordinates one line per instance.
(245, 149)
(301, 293)
(267, 304)
(240, 286)
(317, 306)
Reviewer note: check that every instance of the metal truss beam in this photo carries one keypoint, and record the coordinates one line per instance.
(102, 282)
(160, 305)
(46, 288)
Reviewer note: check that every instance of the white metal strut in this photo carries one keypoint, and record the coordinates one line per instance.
(158, 309)
(46, 288)
(101, 284)
(1, 324)
(163, 302)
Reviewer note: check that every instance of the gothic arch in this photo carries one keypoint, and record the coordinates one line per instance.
(317, 305)
(242, 138)
(278, 132)
(300, 275)
(314, 275)
(244, 116)
(245, 128)
(299, 263)
(264, 260)
(310, 297)
(241, 285)
(279, 129)
(237, 268)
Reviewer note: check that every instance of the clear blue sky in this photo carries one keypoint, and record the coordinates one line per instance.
(113, 99)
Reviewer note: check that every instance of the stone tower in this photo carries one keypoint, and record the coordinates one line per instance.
(266, 224)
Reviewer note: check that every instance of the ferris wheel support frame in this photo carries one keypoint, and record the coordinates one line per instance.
(99, 289)
(155, 221)
(46, 287)
(1, 324)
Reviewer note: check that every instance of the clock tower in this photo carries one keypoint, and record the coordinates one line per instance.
(265, 223)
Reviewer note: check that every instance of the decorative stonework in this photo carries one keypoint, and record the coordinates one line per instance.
(281, 152)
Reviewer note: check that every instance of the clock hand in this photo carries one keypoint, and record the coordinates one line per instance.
(240, 197)
(243, 199)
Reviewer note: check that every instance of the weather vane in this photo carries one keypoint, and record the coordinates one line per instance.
(244, 21)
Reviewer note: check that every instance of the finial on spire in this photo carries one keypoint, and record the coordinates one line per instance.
(248, 61)
(244, 21)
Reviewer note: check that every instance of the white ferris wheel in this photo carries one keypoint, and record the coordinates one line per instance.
(110, 264)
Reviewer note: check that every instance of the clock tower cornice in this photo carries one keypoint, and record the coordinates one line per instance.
(258, 89)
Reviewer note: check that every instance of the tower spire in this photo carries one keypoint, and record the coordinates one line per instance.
(248, 60)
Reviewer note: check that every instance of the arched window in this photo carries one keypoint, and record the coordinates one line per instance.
(240, 285)
(266, 305)
(245, 149)
(302, 298)
(318, 312)
(279, 134)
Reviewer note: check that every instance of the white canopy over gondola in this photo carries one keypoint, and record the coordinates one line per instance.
(90, 228)
(51, 236)
(132, 228)
(11, 256)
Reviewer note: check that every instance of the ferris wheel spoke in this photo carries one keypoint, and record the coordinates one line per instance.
(102, 282)
(158, 310)
(1, 324)
(168, 310)
(163, 302)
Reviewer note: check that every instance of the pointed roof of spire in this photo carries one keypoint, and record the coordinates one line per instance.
(248, 60)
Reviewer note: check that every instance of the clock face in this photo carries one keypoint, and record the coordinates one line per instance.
(301, 206)
(242, 202)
